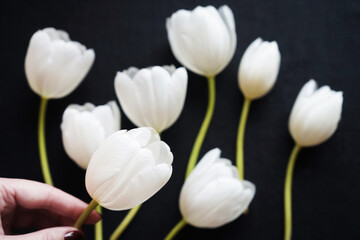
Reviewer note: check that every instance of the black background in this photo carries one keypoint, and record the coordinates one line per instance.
(317, 39)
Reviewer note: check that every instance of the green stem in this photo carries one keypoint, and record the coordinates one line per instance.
(204, 127)
(180, 225)
(98, 226)
(240, 138)
(287, 192)
(125, 222)
(79, 222)
(42, 145)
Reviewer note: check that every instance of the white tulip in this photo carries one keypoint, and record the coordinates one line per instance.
(203, 40)
(54, 64)
(128, 168)
(213, 194)
(85, 127)
(152, 97)
(315, 114)
(259, 68)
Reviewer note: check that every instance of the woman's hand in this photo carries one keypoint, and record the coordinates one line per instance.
(27, 204)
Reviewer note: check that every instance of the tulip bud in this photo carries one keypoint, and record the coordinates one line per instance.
(85, 127)
(203, 40)
(55, 65)
(128, 168)
(315, 114)
(213, 194)
(259, 68)
(152, 97)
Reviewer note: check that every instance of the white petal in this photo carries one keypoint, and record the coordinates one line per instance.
(259, 68)
(109, 116)
(144, 135)
(220, 202)
(82, 133)
(141, 187)
(129, 98)
(202, 40)
(315, 114)
(161, 152)
(54, 65)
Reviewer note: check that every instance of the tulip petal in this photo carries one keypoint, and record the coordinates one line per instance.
(315, 114)
(202, 40)
(109, 116)
(82, 133)
(140, 188)
(127, 93)
(54, 65)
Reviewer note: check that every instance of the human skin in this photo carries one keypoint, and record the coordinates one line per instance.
(29, 204)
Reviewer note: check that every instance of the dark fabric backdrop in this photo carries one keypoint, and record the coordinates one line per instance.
(317, 39)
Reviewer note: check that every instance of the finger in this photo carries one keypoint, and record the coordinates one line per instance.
(39, 219)
(58, 233)
(34, 195)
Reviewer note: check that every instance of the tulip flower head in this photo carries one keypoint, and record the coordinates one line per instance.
(85, 127)
(152, 97)
(54, 64)
(203, 40)
(213, 194)
(315, 114)
(128, 168)
(259, 68)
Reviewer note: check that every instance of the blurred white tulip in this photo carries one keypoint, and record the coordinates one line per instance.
(128, 168)
(259, 68)
(55, 65)
(213, 194)
(85, 127)
(203, 40)
(315, 114)
(152, 97)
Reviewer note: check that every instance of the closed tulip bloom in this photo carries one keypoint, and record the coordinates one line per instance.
(85, 127)
(315, 114)
(203, 40)
(213, 194)
(152, 97)
(259, 68)
(54, 64)
(128, 168)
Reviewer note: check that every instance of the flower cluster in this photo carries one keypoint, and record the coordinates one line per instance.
(124, 168)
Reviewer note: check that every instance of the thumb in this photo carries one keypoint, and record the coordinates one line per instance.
(56, 233)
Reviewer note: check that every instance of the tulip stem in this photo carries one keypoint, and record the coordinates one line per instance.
(125, 222)
(287, 192)
(176, 229)
(240, 138)
(204, 127)
(98, 226)
(79, 222)
(42, 144)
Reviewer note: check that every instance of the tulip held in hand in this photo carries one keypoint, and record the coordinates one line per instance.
(152, 97)
(85, 127)
(213, 195)
(127, 169)
(314, 119)
(258, 71)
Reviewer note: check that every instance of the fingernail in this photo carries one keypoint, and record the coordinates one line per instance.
(74, 235)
